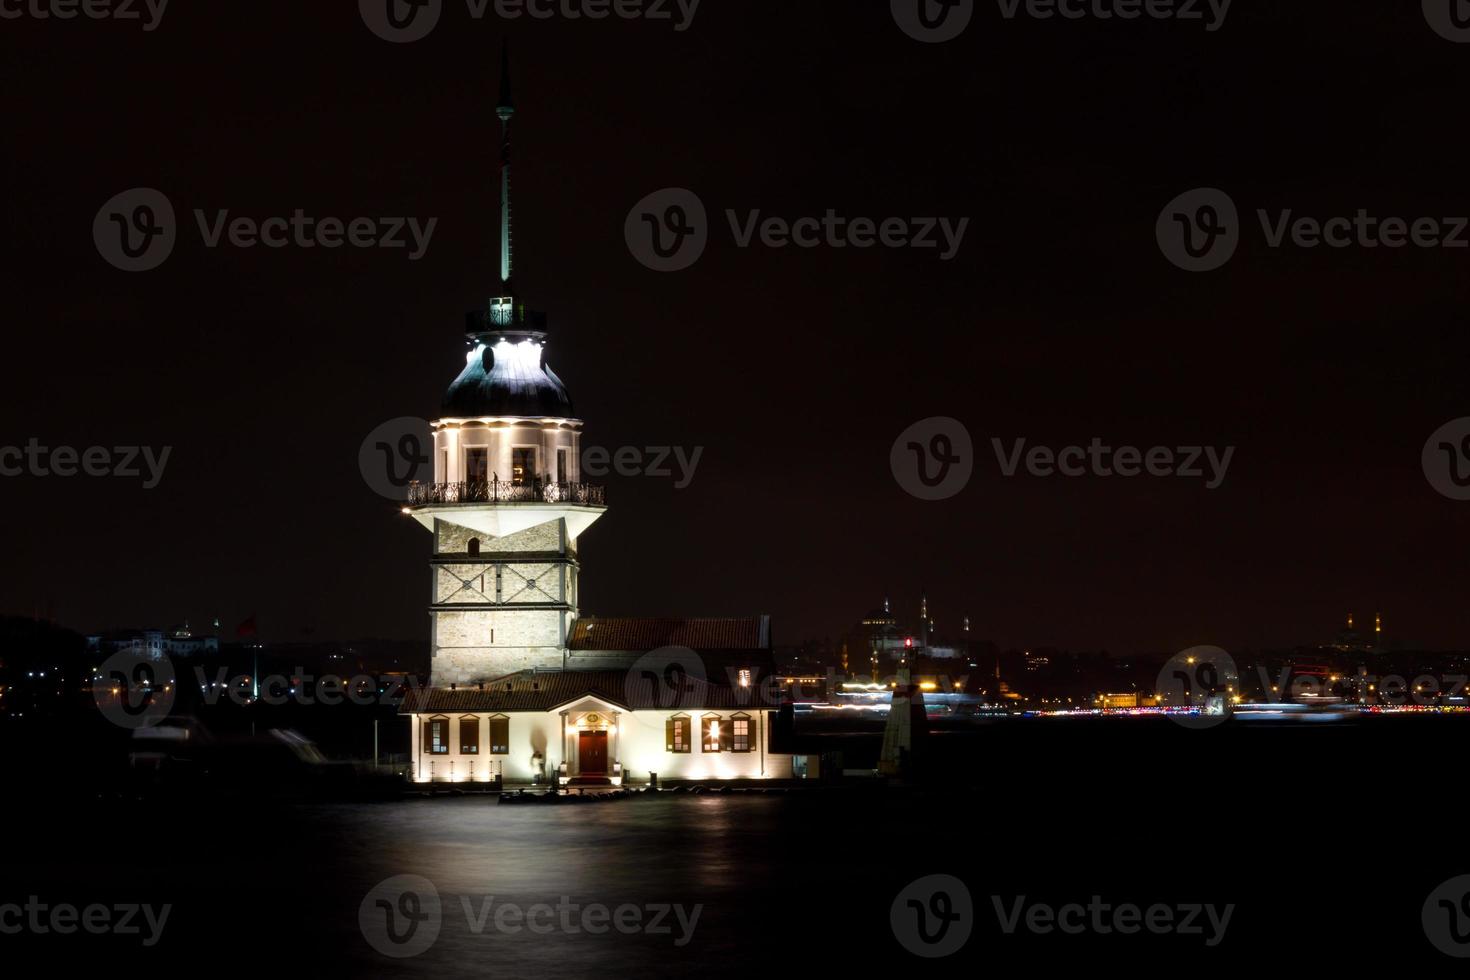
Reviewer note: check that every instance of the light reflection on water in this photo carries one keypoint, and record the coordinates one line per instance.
(714, 852)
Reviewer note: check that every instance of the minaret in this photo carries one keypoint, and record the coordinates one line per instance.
(924, 619)
(506, 506)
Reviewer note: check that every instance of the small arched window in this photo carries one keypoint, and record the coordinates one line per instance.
(474, 547)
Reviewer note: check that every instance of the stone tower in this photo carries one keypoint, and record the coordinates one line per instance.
(507, 504)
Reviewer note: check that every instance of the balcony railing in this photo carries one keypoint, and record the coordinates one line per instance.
(505, 492)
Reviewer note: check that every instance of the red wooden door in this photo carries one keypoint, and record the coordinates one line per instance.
(592, 753)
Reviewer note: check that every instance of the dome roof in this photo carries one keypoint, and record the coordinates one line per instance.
(508, 379)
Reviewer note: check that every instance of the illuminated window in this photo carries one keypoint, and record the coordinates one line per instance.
(716, 734)
(745, 677)
(500, 735)
(469, 736)
(436, 736)
(477, 465)
(522, 466)
(740, 733)
(676, 734)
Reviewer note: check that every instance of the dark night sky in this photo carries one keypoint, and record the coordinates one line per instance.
(1059, 320)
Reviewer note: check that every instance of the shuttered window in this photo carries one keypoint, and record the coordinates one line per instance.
(469, 736)
(740, 734)
(716, 733)
(676, 734)
(500, 736)
(436, 736)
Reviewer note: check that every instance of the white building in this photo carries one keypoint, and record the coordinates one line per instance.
(180, 641)
(521, 686)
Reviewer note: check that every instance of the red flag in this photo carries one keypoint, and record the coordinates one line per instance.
(246, 628)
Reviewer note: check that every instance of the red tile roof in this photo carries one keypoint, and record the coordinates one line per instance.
(748, 633)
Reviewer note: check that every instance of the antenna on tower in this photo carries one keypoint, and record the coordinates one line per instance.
(506, 317)
(505, 110)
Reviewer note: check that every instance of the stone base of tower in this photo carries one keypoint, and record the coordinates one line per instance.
(501, 603)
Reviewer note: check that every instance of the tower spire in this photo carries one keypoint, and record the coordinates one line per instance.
(507, 317)
(505, 110)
